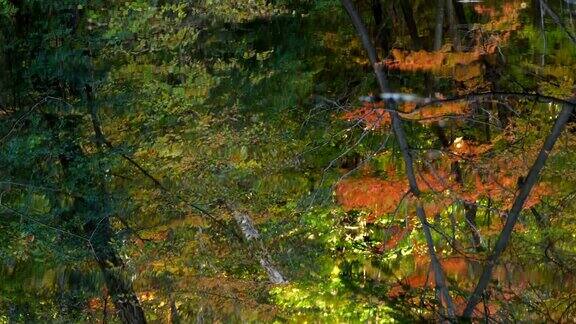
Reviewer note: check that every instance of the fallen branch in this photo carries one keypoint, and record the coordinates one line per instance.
(256, 245)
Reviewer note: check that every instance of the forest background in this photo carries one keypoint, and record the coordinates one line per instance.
(287, 160)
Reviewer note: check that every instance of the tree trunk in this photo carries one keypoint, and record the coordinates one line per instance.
(100, 233)
(377, 13)
(453, 25)
(439, 27)
(174, 317)
(381, 26)
(440, 281)
(460, 13)
(125, 300)
(408, 14)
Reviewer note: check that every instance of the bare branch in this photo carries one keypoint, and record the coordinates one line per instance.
(514, 212)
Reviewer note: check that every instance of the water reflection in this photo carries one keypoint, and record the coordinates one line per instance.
(471, 157)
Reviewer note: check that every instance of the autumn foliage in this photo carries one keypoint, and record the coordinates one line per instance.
(375, 115)
(500, 184)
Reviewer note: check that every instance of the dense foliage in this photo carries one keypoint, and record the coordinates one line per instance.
(179, 161)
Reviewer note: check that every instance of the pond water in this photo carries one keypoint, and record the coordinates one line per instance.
(169, 161)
